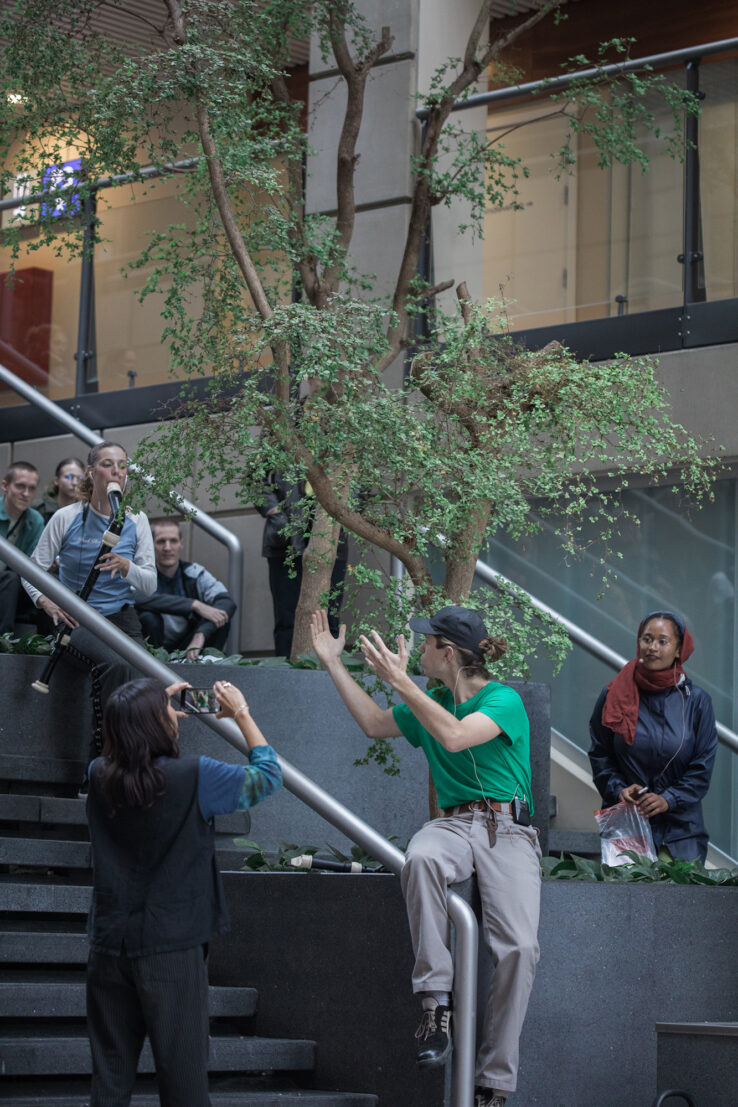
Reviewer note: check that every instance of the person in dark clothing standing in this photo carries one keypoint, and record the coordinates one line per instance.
(654, 740)
(22, 525)
(190, 609)
(287, 509)
(157, 896)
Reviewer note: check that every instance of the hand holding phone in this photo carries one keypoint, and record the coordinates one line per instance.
(198, 701)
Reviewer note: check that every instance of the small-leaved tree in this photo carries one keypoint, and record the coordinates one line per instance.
(262, 299)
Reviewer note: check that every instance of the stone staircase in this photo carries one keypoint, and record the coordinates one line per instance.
(44, 896)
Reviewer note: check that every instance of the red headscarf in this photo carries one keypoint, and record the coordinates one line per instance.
(620, 712)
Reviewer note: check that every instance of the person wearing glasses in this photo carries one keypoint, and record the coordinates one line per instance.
(21, 525)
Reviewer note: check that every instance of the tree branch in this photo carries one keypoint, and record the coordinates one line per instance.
(306, 262)
(436, 121)
(355, 75)
(326, 494)
(236, 241)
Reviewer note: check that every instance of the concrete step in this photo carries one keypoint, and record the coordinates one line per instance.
(52, 1054)
(54, 853)
(60, 811)
(60, 999)
(45, 853)
(251, 1092)
(42, 809)
(48, 899)
(15, 766)
(42, 947)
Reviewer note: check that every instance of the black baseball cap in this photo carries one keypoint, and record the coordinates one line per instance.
(460, 625)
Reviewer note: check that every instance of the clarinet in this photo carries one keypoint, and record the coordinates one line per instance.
(110, 539)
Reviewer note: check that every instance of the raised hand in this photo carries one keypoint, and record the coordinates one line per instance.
(326, 647)
(388, 666)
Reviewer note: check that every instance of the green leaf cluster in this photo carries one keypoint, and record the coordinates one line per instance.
(29, 643)
(639, 870)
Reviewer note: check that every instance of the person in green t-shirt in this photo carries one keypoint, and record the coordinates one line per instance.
(475, 734)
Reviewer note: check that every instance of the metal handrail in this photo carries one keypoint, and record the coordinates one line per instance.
(199, 517)
(147, 173)
(581, 637)
(462, 916)
(556, 84)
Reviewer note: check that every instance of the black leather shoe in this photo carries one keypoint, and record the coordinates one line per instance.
(434, 1035)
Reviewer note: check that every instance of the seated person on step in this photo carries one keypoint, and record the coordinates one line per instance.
(475, 735)
(21, 525)
(63, 487)
(190, 609)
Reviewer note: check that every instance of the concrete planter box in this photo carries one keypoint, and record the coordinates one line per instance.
(331, 958)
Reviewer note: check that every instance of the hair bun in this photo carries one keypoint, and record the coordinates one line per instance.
(493, 648)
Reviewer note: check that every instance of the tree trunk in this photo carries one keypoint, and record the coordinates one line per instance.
(317, 565)
(462, 557)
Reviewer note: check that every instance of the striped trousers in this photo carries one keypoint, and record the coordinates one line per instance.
(164, 995)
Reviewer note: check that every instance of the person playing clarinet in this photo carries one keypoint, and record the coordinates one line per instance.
(74, 536)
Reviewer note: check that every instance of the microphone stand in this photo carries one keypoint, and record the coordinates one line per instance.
(109, 541)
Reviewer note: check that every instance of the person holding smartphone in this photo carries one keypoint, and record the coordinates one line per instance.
(474, 733)
(157, 896)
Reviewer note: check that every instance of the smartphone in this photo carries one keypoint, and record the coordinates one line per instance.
(520, 812)
(198, 701)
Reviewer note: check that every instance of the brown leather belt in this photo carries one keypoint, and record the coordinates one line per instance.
(479, 805)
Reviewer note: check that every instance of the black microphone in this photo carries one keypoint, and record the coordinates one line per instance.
(307, 861)
(114, 496)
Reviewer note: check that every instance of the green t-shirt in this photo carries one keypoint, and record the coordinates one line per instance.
(494, 769)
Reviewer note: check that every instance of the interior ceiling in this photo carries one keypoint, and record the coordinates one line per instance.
(503, 9)
(138, 20)
(135, 24)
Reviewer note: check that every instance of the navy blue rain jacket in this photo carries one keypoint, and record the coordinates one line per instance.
(663, 719)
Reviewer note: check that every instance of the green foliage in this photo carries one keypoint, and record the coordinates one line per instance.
(28, 643)
(640, 870)
(617, 111)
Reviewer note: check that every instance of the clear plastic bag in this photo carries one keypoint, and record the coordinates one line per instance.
(623, 827)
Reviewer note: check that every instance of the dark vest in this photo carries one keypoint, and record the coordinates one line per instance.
(156, 886)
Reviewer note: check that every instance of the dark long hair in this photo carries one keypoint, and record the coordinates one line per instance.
(136, 730)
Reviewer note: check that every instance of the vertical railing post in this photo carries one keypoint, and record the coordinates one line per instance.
(692, 257)
(86, 356)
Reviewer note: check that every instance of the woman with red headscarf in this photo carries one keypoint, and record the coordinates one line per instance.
(654, 739)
